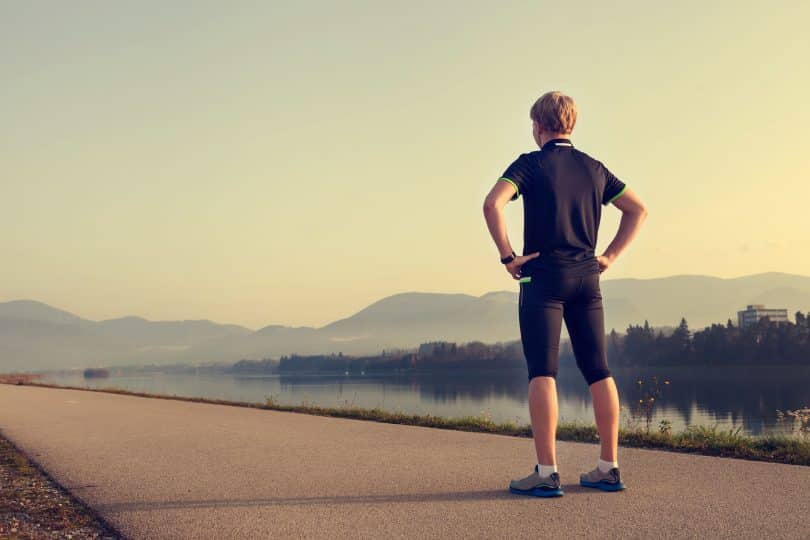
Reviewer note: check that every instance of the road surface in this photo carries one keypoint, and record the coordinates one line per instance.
(157, 468)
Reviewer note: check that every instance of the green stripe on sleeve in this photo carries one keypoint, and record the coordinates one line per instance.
(526, 279)
(617, 195)
(517, 189)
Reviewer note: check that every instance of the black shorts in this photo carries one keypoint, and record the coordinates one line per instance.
(543, 304)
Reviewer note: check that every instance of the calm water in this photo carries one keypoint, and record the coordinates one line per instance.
(728, 397)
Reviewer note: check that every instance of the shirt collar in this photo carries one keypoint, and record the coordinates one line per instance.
(566, 143)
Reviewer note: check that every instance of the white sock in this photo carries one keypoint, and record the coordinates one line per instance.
(545, 470)
(605, 466)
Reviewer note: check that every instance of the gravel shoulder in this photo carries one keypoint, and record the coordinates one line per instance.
(33, 506)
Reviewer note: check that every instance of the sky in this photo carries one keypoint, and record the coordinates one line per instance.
(291, 163)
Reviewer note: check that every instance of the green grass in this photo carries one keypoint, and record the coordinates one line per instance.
(695, 439)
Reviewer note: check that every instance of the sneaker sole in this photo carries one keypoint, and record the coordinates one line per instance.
(538, 492)
(603, 485)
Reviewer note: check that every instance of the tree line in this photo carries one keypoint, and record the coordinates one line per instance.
(766, 342)
(430, 356)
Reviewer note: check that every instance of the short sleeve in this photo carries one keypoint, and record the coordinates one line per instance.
(614, 187)
(517, 173)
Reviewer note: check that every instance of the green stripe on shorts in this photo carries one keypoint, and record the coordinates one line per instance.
(526, 279)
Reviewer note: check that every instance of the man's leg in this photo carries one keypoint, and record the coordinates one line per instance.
(585, 321)
(543, 413)
(541, 313)
(540, 308)
(606, 410)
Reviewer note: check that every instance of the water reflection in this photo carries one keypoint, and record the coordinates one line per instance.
(730, 397)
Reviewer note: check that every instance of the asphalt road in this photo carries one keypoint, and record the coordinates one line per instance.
(157, 468)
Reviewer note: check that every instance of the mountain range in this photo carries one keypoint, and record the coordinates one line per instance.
(35, 336)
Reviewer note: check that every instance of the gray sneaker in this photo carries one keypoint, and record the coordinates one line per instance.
(537, 486)
(606, 481)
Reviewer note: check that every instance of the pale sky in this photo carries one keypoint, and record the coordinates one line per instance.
(292, 162)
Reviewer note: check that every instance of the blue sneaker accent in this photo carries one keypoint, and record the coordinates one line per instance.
(604, 486)
(538, 492)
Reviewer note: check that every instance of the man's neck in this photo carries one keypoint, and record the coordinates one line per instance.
(545, 137)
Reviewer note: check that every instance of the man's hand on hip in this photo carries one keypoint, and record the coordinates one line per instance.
(604, 262)
(514, 267)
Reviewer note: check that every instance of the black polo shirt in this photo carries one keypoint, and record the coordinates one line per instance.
(563, 192)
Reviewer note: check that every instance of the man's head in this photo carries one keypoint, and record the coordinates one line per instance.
(554, 115)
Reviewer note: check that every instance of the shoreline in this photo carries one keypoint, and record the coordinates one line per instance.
(695, 440)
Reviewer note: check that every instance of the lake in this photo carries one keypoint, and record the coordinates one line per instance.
(730, 397)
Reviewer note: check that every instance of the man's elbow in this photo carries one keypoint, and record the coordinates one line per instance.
(641, 212)
(490, 205)
(634, 208)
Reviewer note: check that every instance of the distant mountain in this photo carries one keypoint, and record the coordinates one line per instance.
(701, 299)
(35, 336)
(37, 311)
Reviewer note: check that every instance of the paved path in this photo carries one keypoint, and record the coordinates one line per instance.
(160, 468)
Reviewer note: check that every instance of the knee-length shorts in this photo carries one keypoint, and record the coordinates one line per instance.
(544, 302)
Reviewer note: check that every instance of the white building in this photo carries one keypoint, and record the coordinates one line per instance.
(755, 312)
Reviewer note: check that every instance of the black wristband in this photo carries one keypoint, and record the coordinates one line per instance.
(509, 258)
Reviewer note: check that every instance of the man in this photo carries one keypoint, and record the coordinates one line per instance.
(563, 192)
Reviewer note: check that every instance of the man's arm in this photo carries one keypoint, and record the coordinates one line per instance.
(634, 212)
(500, 194)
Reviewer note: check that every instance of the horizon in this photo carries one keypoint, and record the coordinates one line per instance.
(438, 293)
(291, 162)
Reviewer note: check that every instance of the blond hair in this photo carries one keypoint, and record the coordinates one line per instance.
(555, 112)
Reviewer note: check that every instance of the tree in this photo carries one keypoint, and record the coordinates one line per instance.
(680, 340)
(613, 349)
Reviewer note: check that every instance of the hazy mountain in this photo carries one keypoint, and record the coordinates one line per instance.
(701, 299)
(36, 336)
(37, 311)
